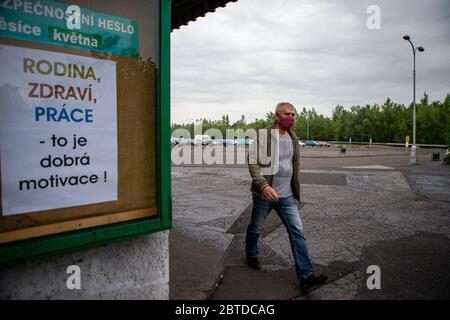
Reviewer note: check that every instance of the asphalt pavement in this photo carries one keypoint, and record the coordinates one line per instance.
(358, 210)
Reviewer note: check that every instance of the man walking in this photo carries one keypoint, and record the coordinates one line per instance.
(276, 185)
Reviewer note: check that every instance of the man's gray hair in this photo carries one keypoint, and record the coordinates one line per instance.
(282, 105)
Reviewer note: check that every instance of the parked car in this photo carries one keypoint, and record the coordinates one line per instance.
(321, 143)
(325, 144)
(184, 141)
(174, 141)
(196, 142)
(228, 142)
(301, 143)
(203, 139)
(312, 143)
(216, 142)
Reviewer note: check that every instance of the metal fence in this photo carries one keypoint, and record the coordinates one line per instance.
(419, 145)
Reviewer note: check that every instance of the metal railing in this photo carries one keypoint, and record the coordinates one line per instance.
(392, 144)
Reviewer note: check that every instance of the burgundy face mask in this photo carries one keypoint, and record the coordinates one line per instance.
(286, 122)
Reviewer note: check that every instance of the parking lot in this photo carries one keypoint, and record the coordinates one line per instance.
(364, 207)
(235, 155)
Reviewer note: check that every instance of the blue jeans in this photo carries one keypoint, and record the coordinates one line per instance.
(287, 210)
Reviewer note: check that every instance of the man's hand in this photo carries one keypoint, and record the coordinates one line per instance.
(269, 194)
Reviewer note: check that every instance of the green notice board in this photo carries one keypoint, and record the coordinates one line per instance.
(138, 94)
(71, 26)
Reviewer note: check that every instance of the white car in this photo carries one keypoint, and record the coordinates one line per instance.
(301, 143)
(184, 141)
(203, 139)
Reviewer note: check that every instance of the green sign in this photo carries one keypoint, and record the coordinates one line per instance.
(55, 23)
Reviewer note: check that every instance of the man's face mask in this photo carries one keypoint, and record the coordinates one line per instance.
(286, 122)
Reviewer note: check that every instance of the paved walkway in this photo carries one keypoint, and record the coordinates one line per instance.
(353, 217)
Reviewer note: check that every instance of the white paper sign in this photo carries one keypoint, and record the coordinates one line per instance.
(58, 126)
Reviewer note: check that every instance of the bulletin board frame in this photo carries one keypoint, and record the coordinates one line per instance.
(35, 248)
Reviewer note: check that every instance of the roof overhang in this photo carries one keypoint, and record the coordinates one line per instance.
(184, 11)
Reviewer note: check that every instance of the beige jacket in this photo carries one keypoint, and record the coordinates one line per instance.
(260, 167)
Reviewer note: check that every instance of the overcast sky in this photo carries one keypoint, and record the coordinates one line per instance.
(252, 54)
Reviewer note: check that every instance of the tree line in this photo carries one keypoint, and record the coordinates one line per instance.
(388, 122)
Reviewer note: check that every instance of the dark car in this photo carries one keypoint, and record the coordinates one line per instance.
(312, 143)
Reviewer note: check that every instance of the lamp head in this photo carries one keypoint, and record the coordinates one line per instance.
(406, 37)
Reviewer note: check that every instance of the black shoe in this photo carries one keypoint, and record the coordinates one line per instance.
(254, 263)
(312, 282)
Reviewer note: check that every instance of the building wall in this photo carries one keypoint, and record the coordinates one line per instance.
(136, 268)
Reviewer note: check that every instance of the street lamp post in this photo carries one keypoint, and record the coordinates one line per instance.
(413, 156)
(307, 128)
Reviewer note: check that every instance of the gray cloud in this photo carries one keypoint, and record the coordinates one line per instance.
(245, 58)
